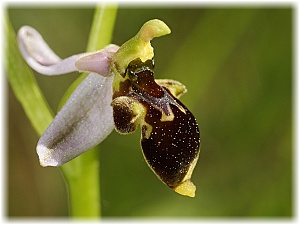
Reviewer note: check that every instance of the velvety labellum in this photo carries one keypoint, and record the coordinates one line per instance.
(170, 135)
(172, 145)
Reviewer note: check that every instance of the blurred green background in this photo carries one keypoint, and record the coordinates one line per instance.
(237, 64)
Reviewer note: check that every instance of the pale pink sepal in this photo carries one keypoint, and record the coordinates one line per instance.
(84, 121)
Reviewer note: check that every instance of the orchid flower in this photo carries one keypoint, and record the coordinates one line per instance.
(119, 93)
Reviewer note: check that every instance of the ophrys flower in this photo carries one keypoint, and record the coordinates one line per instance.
(120, 93)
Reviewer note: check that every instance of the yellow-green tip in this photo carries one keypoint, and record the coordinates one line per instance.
(153, 28)
(186, 188)
(139, 46)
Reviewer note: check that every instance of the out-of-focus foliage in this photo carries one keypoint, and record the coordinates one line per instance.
(237, 64)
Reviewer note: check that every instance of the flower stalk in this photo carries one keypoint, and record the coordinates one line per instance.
(83, 173)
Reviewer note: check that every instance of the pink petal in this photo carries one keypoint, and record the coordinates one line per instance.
(96, 62)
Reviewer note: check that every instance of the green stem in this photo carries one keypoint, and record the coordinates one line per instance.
(83, 173)
(83, 178)
(102, 27)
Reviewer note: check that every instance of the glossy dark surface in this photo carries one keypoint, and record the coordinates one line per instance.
(172, 145)
(174, 140)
